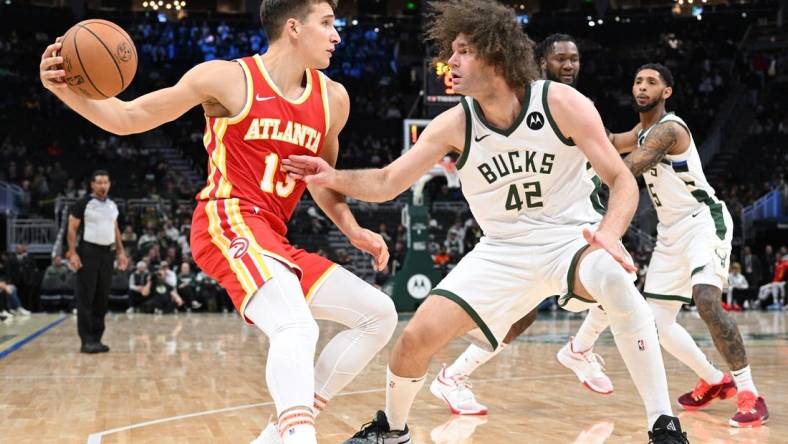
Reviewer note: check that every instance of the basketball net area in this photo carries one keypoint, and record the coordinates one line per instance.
(446, 167)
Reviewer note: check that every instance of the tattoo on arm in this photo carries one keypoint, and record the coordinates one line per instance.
(658, 143)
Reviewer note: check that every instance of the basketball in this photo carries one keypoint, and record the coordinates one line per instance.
(99, 58)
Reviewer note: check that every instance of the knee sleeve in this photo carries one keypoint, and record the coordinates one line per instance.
(610, 285)
(350, 301)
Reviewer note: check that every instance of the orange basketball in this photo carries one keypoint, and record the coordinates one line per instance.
(99, 58)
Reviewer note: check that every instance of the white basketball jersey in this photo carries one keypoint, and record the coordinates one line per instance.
(677, 185)
(527, 178)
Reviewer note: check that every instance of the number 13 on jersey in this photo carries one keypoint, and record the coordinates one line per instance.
(269, 184)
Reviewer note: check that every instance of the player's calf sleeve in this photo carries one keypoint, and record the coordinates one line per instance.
(632, 324)
(678, 342)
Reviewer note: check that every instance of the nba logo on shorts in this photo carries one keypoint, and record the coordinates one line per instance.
(238, 247)
(641, 345)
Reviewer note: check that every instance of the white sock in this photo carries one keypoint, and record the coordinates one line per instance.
(743, 378)
(594, 324)
(400, 393)
(297, 426)
(471, 359)
(634, 331)
(678, 342)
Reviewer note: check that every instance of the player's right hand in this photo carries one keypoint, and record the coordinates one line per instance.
(75, 261)
(51, 68)
(310, 169)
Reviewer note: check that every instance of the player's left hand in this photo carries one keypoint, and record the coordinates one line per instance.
(123, 261)
(610, 243)
(310, 169)
(374, 244)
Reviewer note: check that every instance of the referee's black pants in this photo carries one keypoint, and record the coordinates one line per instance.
(93, 286)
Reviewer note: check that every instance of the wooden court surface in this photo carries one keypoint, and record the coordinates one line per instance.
(200, 379)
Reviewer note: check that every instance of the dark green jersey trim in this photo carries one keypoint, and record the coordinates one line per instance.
(517, 121)
(596, 202)
(668, 297)
(697, 270)
(471, 312)
(468, 125)
(716, 211)
(570, 280)
(567, 140)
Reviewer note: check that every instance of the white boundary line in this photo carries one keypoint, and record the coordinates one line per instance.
(95, 438)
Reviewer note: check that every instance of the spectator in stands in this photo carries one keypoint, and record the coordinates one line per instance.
(186, 287)
(343, 259)
(768, 264)
(22, 273)
(473, 233)
(129, 237)
(169, 275)
(737, 290)
(453, 246)
(160, 296)
(137, 281)
(57, 270)
(170, 231)
(772, 294)
(146, 240)
(441, 260)
(10, 302)
(397, 257)
(751, 267)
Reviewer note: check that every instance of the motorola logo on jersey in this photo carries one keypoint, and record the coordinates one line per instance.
(419, 286)
(238, 247)
(535, 120)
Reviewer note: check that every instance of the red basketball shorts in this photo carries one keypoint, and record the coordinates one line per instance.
(231, 243)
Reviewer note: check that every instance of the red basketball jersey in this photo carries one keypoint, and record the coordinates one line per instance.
(245, 152)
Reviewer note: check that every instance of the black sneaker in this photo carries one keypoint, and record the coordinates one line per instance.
(378, 431)
(93, 347)
(667, 430)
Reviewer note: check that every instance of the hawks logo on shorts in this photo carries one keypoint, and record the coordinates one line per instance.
(238, 247)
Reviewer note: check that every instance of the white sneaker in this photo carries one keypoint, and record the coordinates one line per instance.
(6, 314)
(269, 435)
(22, 312)
(457, 394)
(587, 368)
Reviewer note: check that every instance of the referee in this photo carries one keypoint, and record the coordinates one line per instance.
(93, 259)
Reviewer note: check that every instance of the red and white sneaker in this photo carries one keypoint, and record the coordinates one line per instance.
(456, 392)
(704, 393)
(751, 411)
(586, 365)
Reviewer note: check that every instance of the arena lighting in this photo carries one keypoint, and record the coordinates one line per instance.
(591, 23)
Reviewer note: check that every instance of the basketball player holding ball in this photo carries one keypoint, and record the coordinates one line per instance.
(259, 110)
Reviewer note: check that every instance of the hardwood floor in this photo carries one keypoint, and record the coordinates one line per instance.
(199, 378)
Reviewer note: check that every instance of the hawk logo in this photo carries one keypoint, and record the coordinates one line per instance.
(123, 52)
(535, 120)
(238, 247)
(419, 286)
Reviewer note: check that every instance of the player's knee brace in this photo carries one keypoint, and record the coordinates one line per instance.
(612, 287)
(381, 320)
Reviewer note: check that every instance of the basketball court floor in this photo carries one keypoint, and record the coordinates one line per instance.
(199, 378)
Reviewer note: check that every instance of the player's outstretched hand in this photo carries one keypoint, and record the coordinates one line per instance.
(51, 68)
(374, 244)
(609, 243)
(310, 169)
